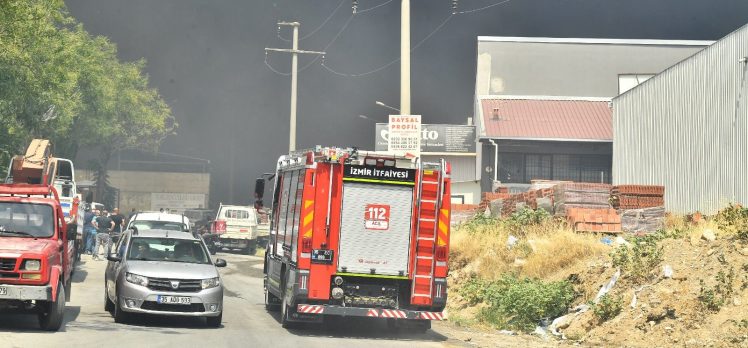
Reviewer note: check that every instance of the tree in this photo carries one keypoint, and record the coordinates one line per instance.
(59, 82)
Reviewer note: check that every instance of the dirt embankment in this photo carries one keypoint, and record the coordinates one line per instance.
(695, 295)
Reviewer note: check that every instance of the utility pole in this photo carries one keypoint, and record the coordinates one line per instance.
(294, 76)
(405, 58)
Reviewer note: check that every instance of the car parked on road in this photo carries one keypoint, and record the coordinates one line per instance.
(165, 273)
(153, 220)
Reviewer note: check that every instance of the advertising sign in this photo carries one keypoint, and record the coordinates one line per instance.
(404, 135)
(441, 138)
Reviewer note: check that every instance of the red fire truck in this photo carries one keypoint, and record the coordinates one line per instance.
(36, 239)
(358, 234)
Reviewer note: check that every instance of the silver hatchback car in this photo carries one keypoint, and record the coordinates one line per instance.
(165, 273)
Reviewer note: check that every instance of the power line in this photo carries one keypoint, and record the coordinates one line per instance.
(418, 44)
(439, 27)
(316, 59)
(484, 8)
(374, 7)
(319, 27)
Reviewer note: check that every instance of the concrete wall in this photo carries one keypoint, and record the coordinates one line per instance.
(136, 187)
(470, 190)
(687, 129)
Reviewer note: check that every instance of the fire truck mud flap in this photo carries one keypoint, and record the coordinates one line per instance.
(369, 312)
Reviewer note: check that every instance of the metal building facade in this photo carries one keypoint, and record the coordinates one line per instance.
(687, 129)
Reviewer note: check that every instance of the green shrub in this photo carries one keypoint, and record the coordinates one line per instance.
(608, 307)
(734, 220)
(479, 221)
(641, 258)
(519, 304)
(714, 298)
(526, 217)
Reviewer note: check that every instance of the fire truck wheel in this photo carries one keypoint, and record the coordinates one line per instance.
(422, 326)
(271, 302)
(50, 318)
(286, 323)
(392, 325)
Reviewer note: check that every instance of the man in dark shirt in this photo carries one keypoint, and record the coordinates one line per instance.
(102, 237)
(118, 220)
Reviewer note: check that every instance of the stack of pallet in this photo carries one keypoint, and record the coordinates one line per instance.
(637, 196)
(580, 195)
(594, 220)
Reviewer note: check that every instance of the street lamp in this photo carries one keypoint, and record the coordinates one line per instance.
(387, 106)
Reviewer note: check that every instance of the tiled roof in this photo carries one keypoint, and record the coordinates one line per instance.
(547, 119)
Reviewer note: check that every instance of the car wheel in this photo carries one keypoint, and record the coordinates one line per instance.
(50, 318)
(108, 304)
(251, 249)
(214, 321)
(120, 316)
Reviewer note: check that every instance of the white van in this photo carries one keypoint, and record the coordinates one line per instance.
(236, 226)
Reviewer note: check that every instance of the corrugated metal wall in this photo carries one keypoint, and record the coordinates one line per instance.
(687, 129)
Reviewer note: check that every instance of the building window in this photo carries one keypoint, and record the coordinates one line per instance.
(629, 81)
(512, 168)
(538, 167)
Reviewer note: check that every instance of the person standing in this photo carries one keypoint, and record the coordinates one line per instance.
(89, 231)
(119, 221)
(105, 225)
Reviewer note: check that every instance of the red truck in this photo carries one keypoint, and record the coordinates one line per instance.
(37, 242)
(358, 234)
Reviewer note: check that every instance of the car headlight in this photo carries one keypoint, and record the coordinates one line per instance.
(31, 265)
(210, 283)
(137, 279)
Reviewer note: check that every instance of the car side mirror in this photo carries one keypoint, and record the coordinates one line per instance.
(113, 258)
(220, 263)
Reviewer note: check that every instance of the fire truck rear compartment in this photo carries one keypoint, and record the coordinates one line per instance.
(384, 251)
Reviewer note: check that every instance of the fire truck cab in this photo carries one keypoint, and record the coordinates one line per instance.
(358, 233)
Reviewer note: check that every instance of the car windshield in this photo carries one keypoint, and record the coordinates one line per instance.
(167, 249)
(26, 220)
(159, 225)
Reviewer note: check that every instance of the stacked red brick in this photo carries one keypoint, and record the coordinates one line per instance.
(642, 207)
(535, 199)
(637, 196)
(489, 197)
(594, 220)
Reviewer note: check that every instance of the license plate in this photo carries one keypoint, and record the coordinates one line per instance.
(181, 300)
(3, 290)
(322, 256)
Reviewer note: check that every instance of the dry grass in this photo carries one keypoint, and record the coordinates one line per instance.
(541, 250)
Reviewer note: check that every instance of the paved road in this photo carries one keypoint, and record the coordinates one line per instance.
(245, 321)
